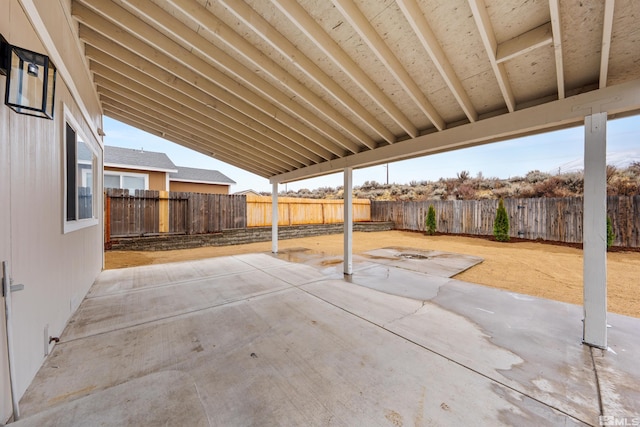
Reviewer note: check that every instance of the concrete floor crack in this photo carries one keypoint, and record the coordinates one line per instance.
(595, 373)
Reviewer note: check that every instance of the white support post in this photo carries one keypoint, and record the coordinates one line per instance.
(274, 218)
(595, 231)
(348, 221)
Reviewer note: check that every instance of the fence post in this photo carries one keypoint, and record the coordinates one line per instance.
(189, 225)
(163, 212)
(107, 221)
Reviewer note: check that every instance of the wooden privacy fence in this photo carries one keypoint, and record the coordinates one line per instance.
(295, 211)
(154, 212)
(131, 215)
(556, 219)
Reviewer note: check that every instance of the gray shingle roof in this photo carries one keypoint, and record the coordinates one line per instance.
(200, 175)
(140, 159)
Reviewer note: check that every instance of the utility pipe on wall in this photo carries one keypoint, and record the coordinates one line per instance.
(6, 293)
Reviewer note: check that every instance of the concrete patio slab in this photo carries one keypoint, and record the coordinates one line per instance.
(287, 343)
(513, 352)
(153, 397)
(123, 280)
(102, 314)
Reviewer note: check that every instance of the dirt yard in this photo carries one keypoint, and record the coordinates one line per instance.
(532, 268)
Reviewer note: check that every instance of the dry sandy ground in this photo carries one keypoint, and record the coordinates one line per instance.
(542, 270)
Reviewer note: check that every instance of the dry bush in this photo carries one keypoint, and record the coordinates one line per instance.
(574, 182)
(484, 195)
(502, 193)
(522, 190)
(551, 187)
(463, 176)
(465, 192)
(534, 184)
(611, 172)
(535, 176)
(623, 186)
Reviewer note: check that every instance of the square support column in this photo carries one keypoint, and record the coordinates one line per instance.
(274, 218)
(348, 221)
(595, 231)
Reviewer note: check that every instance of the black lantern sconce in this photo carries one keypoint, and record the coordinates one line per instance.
(31, 80)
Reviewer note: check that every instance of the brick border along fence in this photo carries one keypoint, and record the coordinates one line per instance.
(238, 236)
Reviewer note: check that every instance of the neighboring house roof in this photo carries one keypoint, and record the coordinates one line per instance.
(202, 176)
(137, 159)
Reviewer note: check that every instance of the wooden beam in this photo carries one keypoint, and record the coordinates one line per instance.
(309, 27)
(149, 43)
(420, 26)
(326, 136)
(386, 56)
(139, 112)
(554, 9)
(622, 98)
(259, 136)
(488, 37)
(217, 141)
(155, 129)
(525, 43)
(214, 27)
(281, 44)
(158, 79)
(607, 28)
(233, 139)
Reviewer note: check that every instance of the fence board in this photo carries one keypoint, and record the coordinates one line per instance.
(132, 215)
(296, 211)
(555, 219)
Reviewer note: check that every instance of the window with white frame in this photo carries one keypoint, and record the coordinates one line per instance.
(126, 180)
(80, 186)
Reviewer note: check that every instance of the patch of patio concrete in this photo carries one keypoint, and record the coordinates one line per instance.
(435, 263)
(162, 398)
(124, 280)
(271, 342)
(482, 330)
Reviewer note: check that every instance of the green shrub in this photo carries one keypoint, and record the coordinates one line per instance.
(501, 224)
(430, 224)
(611, 236)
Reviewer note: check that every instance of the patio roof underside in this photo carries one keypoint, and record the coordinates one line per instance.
(289, 89)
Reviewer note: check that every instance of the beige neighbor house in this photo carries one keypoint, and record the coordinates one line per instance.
(135, 169)
(287, 90)
(195, 180)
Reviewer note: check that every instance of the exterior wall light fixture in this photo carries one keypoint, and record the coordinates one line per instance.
(31, 80)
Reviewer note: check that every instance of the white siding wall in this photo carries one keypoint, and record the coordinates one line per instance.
(57, 269)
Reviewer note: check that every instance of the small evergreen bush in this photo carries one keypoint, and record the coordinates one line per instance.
(501, 224)
(430, 222)
(610, 234)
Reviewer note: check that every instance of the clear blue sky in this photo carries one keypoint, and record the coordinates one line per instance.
(561, 150)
